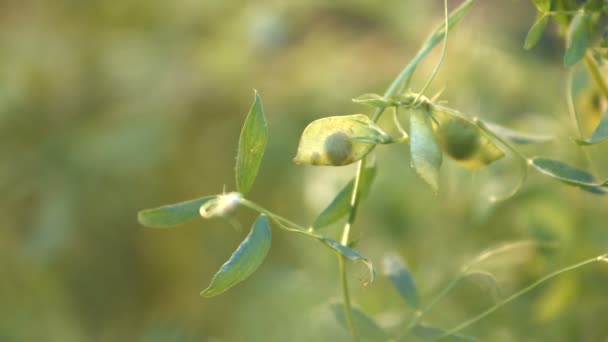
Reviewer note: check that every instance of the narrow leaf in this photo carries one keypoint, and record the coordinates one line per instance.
(373, 100)
(340, 205)
(252, 144)
(352, 255)
(542, 5)
(244, 261)
(568, 174)
(402, 279)
(516, 137)
(367, 327)
(425, 151)
(536, 31)
(172, 214)
(338, 140)
(430, 333)
(578, 38)
(600, 134)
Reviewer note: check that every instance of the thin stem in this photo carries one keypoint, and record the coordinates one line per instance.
(575, 118)
(392, 90)
(520, 293)
(462, 274)
(445, 44)
(350, 322)
(596, 74)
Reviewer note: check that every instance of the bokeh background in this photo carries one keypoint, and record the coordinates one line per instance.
(109, 107)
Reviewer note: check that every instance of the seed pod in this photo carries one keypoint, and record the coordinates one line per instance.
(464, 141)
(458, 138)
(338, 140)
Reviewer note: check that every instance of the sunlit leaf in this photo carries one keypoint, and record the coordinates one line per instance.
(172, 214)
(425, 151)
(352, 255)
(367, 328)
(463, 141)
(252, 143)
(373, 100)
(542, 5)
(577, 39)
(244, 261)
(516, 137)
(402, 279)
(600, 134)
(536, 31)
(338, 140)
(486, 281)
(340, 205)
(430, 333)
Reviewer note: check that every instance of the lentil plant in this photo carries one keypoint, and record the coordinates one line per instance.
(435, 131)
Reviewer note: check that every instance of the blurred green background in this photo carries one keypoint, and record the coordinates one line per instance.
(109, 107)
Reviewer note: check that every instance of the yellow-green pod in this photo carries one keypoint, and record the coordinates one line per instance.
(464, 141)
(338, 140)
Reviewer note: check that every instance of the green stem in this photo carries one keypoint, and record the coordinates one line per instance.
(520, 293)
(435, 37)
(576, 120)
(596, 74)
(462, 274)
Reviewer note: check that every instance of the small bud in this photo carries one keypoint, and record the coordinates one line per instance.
(222, 206)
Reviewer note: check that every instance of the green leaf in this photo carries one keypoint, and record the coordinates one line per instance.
(340, 205)
(251, 146)
(425, 151)
(577, 39)
(600, 134)
(430, 333)
(463, 140)
(516, 137)
(373, 100)
(338, 140)
(402, 279)
(352, 255)
(244, 261)
(486, 281)
(172, 214)
(536, 31)
(543, 5)
(366, 327)
(568, 174)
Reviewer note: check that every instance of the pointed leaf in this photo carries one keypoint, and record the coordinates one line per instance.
(463, 140)
(600, 134)
(430, 333)
(366, 327)
(563, 172)
(542, 5)
(486, 281)
(425, 151)
(569, 175)
(516, 137)
(578, 38)
(373, 100)
(172, 214)
(252, 144)
(536, 31)
(340, 205)
(402, 279)
(351, 254)
(337, 140)
(244, 261)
